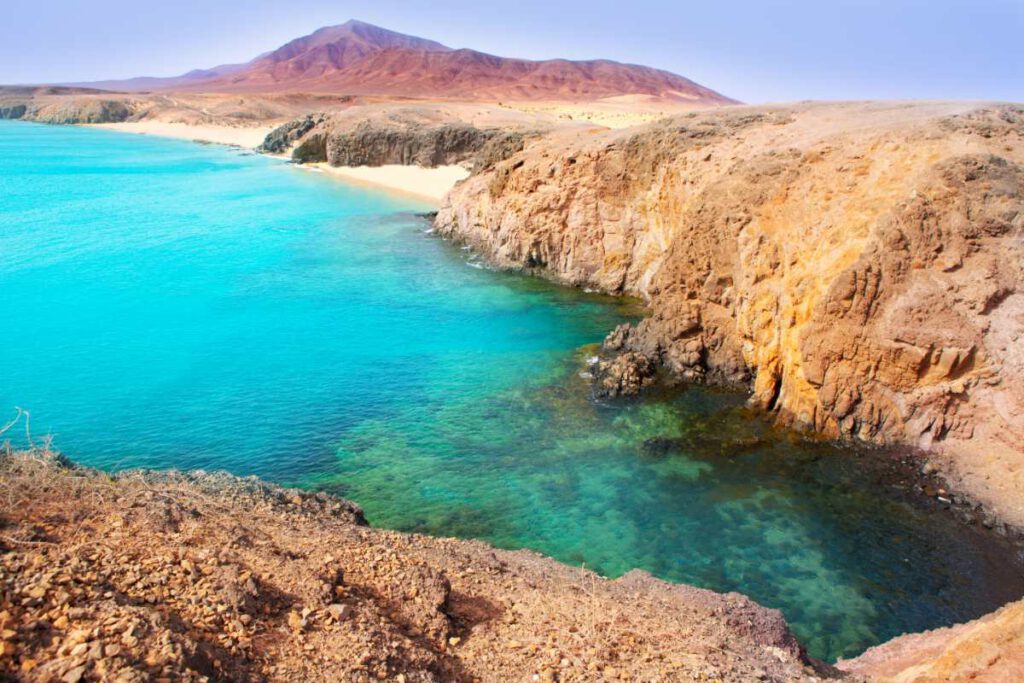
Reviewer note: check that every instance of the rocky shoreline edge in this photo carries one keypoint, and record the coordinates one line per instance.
(196, 576)
(856, 295)
(912, 473)
(205, 576)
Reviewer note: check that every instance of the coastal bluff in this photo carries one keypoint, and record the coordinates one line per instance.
(857, 265)
(197, 576)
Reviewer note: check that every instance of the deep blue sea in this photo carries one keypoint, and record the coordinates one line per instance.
(168, 304)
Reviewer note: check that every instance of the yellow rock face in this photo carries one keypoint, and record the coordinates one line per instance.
(858, 265)
(988, 650)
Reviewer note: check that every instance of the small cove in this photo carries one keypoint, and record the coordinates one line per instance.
(185, 306)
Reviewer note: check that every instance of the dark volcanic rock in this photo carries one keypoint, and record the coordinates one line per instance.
(624, 375)
(370, 145)
(501, 147)
(14, 111)
(319, 138)
(312, 149)
(283, 137)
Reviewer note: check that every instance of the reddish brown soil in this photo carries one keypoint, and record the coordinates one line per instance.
(209, 577)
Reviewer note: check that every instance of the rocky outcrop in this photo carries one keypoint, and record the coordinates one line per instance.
(622, 372)
(987, 650)
(60, 105)
(858, 266)
(282, 138)
(13, 111)
(84, 110)
(196, 577)
(369, 145)
(66, 110)
(403, 141)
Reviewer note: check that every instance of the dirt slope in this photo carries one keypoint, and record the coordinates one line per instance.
(208, 577)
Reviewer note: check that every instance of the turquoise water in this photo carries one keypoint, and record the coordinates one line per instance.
(174, 305)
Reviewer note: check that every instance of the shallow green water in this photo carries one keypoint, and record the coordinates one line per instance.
(186, 306)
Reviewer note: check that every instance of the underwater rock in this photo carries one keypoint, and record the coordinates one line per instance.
(623, 375)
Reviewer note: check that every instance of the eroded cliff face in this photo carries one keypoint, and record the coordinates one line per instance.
(859, 265)
(13, 111)
(64, 105)
(405, 138)
(68, 105)
(989, 649)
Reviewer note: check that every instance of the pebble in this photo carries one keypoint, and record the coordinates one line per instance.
(75, 675)
(338, 611)
(296, 622)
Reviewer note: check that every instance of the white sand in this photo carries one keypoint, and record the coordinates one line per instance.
(431, 184)
(221, 135)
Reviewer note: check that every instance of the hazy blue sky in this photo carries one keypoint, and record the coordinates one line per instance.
(753, 50)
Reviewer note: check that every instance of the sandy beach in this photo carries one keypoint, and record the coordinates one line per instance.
(221, 135)
(430, 184)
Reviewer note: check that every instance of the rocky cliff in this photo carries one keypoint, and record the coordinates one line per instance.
(14, 110)
(83, 106)
(859, 266)
(197, 577)
(989, 649)
(409, 137)
(63, 105)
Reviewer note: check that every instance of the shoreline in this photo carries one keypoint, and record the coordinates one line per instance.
(329, 513)
(165, 550)
(424, 184)
(230, 136)
(506, 225)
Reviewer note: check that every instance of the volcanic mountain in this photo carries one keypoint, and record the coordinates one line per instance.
(357, 58)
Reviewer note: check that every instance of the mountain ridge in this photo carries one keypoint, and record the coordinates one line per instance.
(358, 58)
